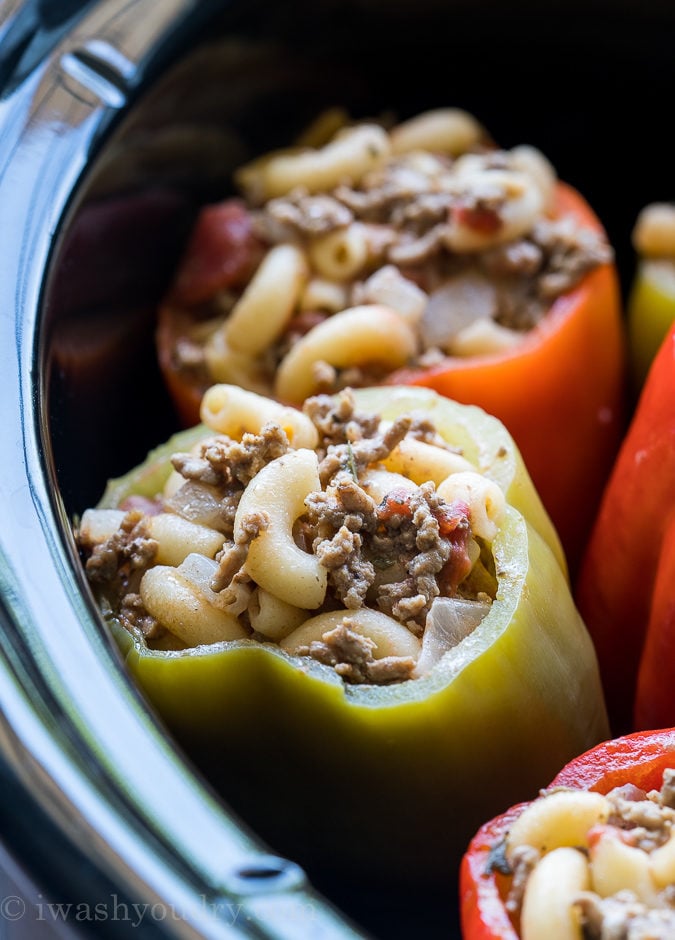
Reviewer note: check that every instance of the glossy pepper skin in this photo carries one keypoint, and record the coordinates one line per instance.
(560, 392)
(381, 782)
(638, 758)
(625, 590)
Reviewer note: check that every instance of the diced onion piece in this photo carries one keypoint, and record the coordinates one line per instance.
(197, 502)
(456, 305)
(484, 338)
(97, 525)
(449, 621)
(388, 286)
(199, 571)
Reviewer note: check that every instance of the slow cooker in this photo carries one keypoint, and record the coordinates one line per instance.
(118, 119)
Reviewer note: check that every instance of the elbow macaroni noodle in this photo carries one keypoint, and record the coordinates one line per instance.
(273, 618)
(445, 130)
(266, 305)
(484, 498)
(389, 636)
(274, 560)
(235, 411)
(181, 607)
(523, 205)
(349, 156)
(342, 255)
(361, 335)
(420, 462)
(562, 819)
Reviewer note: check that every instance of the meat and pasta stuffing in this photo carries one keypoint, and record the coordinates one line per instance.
(367, 250)
(601, 867)
(361, 543)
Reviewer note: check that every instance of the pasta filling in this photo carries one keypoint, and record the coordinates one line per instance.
(376, 250)
(363, 544)
(591, 867)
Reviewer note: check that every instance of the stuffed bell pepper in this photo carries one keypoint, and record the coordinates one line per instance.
(625, 590)
(422, 255)
(592, 858)
(651, 304)
(354, 617)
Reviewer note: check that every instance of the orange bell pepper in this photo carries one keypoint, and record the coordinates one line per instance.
(625, 589)
(560, 392)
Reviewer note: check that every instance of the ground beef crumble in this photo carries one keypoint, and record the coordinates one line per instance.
(351, 655)
(232, 557)
(119, 562)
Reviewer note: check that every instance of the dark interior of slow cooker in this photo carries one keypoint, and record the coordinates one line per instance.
(586, 83)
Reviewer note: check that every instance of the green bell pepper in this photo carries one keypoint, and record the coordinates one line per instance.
(651, 300)
(389, 782)
(651, 312)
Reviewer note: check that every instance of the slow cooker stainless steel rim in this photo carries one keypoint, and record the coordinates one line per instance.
(73, 731)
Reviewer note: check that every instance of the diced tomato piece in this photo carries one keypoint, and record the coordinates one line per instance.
(480, 219)
(395, 503)
(222, 252)
(450, 516)
(453, 525)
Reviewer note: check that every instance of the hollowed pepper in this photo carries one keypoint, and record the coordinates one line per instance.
(636, 763)
(388, 782)
(625, 589)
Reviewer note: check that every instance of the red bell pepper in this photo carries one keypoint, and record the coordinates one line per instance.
(625, 590)
(637, 759)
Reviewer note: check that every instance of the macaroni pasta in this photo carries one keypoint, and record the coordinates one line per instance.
(327, 531)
